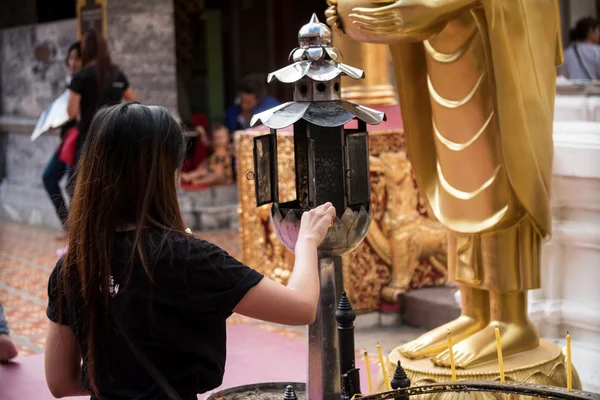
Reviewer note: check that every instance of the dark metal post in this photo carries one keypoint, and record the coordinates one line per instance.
(290, 394)
(400, 381)
(345, 317)
(323, 359)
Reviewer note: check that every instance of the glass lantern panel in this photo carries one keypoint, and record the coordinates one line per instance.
(265, 169)
(357, 168)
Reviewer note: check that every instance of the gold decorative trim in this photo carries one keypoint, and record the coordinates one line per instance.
(455, 146)
(449, 58)
(454, 103)
(459, 194)
(463, 373)
(544, 365)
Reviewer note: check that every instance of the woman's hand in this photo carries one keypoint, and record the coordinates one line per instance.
(297, 303)
(315, 223)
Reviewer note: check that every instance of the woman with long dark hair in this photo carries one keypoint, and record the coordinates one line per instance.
(98, 84)
(137, 306)
(582, 57)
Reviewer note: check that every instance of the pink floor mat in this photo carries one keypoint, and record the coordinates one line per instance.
(253, 355)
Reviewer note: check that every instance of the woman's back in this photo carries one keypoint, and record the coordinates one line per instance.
(178, 321)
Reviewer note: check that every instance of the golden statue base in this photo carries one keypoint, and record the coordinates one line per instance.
(544, 365)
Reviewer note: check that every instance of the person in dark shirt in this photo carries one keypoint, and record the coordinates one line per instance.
(98, 84)
(56, 168)
(136, 290)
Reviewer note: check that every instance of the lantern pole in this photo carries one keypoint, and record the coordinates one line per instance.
(323, 358)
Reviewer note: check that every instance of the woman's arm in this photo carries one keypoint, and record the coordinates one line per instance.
(73, 105)
(297, 303)
(62, 362)
(203, 136)
(129, 95)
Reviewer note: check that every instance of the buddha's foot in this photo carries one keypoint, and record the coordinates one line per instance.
(436, 340)
(481, 347)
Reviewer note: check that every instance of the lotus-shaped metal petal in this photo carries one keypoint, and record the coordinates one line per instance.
(321, 113)
(314, 54)
(344, 235)
(321, 70)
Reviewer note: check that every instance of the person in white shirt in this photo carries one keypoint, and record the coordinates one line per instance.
(582, 57)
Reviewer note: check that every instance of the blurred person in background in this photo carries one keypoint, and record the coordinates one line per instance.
(100, 83)
(58, 167)
(217, 169)
(582, 57)
(253, 98)
(8, 350)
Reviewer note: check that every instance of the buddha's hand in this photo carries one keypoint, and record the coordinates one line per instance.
(333, 18)
(406, 19)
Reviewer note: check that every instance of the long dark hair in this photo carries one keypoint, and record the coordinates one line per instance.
(582, 29)
(126, 177)
(93, 48)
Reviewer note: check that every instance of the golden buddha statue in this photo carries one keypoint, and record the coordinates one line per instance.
(476, 84)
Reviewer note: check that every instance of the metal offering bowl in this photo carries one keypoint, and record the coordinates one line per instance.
(344, 235)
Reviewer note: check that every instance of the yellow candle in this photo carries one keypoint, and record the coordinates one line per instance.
(383, 369)
(569, 365)
(499, 347)
(451, 351)
(368, 372)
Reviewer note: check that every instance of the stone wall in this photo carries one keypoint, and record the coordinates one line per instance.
(27, 84)
(142, 42)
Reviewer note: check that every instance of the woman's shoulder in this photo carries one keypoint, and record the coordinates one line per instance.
(184, 245)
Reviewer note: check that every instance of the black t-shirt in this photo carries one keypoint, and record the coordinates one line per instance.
(177, 322)
(85, 83)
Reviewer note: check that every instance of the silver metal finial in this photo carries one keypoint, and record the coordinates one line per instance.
(314, 34)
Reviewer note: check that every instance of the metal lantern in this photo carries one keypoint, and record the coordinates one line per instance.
(331, 165)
